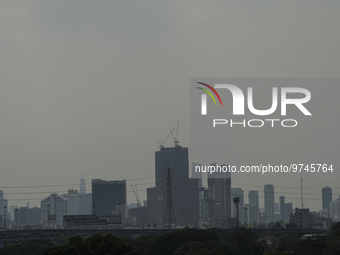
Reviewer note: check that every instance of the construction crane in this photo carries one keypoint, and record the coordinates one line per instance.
(136, 195)
(161, 145)
(175, 138)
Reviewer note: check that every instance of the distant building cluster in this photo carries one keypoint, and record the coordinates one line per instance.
(176, 200)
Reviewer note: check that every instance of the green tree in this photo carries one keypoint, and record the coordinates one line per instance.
(34, 247)
(310, 246)
(332, 245)
(243, 241)
(335, 229)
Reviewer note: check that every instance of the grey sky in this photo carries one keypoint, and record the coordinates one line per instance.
(89, 88)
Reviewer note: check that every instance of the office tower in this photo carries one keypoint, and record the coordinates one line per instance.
(236, 192)
(26, 216)
(85, 199)
(73, 204)
(175, 158)
(3, 204)
(326, 199)
(11, 210)
(106, 195)
(219, 188)
(334, 210)
(269, 202)
(85, 203)
(53, 208)
(285, 209)
(253, 198)
(197, 174)
(184, 190)
(82, 186)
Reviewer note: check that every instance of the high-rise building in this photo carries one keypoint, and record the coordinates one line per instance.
(85, 203)
(195, 174)
(73, 205)
(53, 208)
(285, 209)
(82, 186)
(11, 210)
(184, 190)
(326, 198)
(253, 198)
(334, 210)
(106, 195)
(219, 188)
(85, 199)
(26, 216)
(269, 202)
(3, 204)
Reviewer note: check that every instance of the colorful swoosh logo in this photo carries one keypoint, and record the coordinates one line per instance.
(208, 92)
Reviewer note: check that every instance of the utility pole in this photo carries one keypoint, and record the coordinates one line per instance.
(169, 211)
(245, 209)
(236, 202)
(260, 218)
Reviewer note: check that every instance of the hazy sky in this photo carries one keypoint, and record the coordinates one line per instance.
(89, 88)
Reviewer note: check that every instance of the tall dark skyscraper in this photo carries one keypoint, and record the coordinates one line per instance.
(219, 192)
(199, 176)
(3, 203)
(326, 198)
(285, 209)
(269, 202)
(253, 199)
(184, 190)
(106, 195)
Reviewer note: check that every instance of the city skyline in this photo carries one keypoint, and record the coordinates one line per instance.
(87, 96)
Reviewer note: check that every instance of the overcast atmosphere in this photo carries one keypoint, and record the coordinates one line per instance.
(90, 88)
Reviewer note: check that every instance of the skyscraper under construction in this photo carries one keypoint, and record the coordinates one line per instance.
(184, 189)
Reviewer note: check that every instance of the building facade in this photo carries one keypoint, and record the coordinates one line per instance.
(73, 203)
(269, 202)
(185, 191)
(219, 195)
(253, 198)
(326, 198)
(53, 208)
(285, 209)
(107, 195)
(24, 216)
